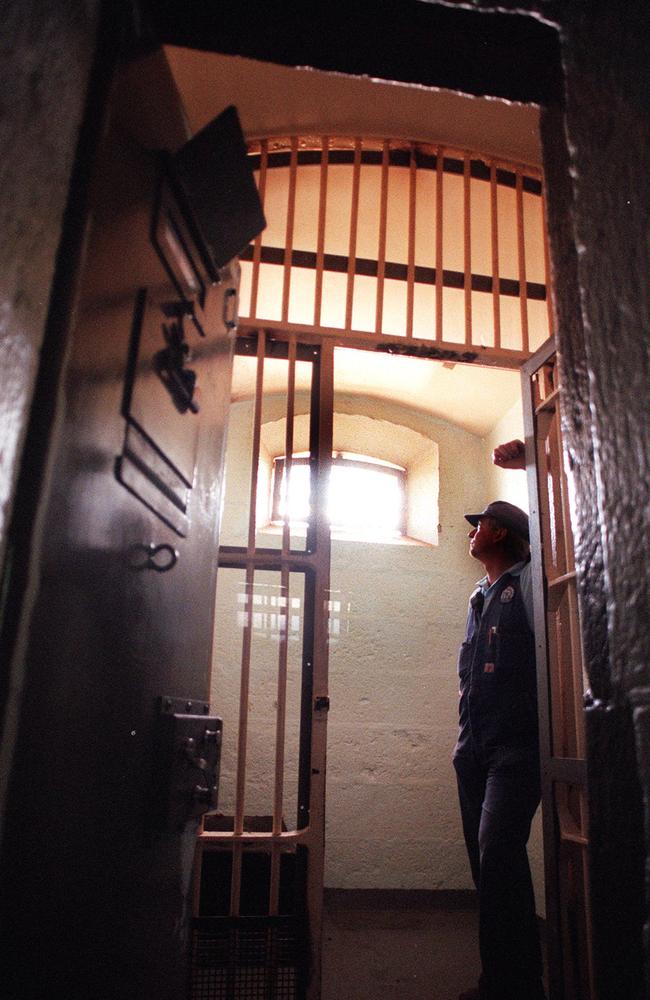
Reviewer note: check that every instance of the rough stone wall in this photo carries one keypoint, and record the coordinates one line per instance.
(45, 55)
(606, 368)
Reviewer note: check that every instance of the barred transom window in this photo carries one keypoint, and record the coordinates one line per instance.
(386, 238)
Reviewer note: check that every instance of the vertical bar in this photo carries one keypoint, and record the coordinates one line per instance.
(381, 251)
(354, 217)
(410, 286)
(291, 216)
(320, 665)
(280, 728)
(281, 699)
(257, 426)
(250, 579)
(521, 247)
(320, 243)
(496, 299)
(288, 441)
(235, 883)
(555, 453)
(467, 245)
(257, 251)
(574, 625)
(439, 177)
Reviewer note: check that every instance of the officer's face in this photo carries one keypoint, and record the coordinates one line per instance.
(484, 537)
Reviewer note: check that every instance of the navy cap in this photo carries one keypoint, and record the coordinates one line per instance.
(506, 514)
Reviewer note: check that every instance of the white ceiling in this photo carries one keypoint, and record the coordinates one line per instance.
(276, 100)
(471, 397)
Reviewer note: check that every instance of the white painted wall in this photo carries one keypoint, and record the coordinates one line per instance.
(392, 814)
(507, 484)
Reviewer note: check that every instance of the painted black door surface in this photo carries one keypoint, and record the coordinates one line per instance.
(100, 845)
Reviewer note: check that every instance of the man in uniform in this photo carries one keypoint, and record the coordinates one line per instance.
(497, 754)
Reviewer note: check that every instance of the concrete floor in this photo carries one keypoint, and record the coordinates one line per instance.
(399, 945)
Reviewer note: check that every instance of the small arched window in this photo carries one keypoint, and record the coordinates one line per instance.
(366, 496)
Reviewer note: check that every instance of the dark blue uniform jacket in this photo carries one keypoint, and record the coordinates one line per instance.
(496, 667)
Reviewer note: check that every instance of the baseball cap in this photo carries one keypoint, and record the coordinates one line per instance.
(506, 514)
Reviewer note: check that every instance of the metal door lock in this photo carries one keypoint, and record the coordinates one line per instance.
(187, 766)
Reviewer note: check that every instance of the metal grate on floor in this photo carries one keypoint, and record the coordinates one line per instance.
(248, 958)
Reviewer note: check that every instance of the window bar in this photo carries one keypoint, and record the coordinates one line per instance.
(257, 251)
(291, 215)
(523, 294)
(381, 251)
(410, 287)
(354, 216)
(439, 182)
(467, 244)
(242, 738)
(496, 297)
(320, 245)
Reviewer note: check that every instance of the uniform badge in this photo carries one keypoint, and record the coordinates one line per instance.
(507, 595)
(488, 668)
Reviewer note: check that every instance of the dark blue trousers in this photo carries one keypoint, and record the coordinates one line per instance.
(499, 792)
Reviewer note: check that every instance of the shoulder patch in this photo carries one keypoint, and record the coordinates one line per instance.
(507, 595)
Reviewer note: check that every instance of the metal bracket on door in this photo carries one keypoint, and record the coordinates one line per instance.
(187, 765)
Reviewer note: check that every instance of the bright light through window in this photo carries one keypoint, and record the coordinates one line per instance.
(366, 497)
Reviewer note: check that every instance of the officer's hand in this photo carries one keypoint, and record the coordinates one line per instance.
(511, 455)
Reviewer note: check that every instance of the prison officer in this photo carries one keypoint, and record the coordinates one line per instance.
(496, 757)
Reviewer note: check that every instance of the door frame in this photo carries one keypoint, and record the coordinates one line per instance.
(569, 939)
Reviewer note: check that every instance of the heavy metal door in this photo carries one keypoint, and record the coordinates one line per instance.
(562, 685)
(116, 750)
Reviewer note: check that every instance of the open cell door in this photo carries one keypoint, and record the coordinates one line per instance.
(259, 882)
(117, 752)
(561, 685)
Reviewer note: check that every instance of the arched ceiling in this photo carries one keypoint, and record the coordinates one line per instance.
(278, 100)
(470, 396)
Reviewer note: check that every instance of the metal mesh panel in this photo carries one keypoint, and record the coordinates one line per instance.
(248, 958)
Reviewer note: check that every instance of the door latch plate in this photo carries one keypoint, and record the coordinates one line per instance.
(188, 760)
